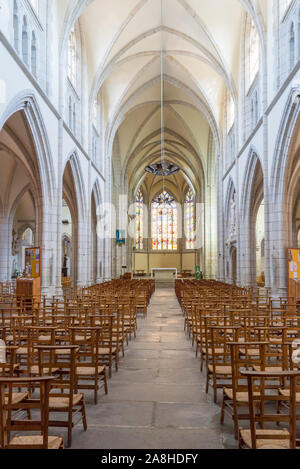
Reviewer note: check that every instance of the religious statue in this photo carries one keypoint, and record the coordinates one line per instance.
(15, 243)
(65, 266)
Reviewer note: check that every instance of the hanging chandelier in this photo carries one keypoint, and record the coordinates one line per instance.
(162, 169)
(159, 170)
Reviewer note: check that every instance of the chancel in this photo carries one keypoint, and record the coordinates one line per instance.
(149, 225)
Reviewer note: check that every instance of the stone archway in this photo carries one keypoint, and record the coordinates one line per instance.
(285, 192)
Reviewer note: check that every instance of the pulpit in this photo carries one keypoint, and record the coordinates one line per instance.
(29, 288)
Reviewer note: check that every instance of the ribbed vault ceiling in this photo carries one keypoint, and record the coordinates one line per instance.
(202, 51)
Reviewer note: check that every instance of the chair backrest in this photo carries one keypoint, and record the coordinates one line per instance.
(87, 339)
(62, 358)
(221, 336)
(245, 355)
(9, 423)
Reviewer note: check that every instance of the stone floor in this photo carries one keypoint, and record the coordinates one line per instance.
(157, 399)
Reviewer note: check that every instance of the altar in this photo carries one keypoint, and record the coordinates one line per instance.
(163, 274)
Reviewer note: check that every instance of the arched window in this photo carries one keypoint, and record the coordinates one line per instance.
(139, 220)
(164, 222)
(292, 47)
(189, 220)
(33, 55)
(25, 41)
(251, 54)
(16, 26)
(28, 237)
(283, 6)
(72, 57)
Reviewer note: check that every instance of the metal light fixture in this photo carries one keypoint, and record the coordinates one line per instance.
(159, 170)
(162, 169)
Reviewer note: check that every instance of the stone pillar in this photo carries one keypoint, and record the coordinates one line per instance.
(48, 245)
(220, 217)
(59, 198)
(5, 248)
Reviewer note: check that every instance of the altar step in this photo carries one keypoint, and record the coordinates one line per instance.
(165, 283)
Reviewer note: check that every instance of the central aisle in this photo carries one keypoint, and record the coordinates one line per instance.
(157, 399)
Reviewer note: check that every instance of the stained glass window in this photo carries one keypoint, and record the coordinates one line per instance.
(189, 219)
(139, 220)
(164, 222)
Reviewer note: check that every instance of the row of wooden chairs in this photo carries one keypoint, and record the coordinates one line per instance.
(248, 349)
(55, 350)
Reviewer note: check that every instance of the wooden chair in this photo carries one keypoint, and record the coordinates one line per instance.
(108, 350)
(244, 356)
(218, 361)
(10, 424)
(63, 397)
(254, 438)
(87, 360)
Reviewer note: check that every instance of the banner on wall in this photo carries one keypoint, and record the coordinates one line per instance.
(198, 273)
(33, 262)
(120, 237)
(294, 264)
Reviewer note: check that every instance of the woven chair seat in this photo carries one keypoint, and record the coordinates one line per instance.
(241, 397)
(6, 367)
(286, 393)
(105, 351)
(217, 351)
(250, 352)
(275, 340)
(62, 352)
(17, 397)
(34, 370)
(45, 339)
(89, 370)
(267, 443)
(23, 351)
(221, 369)
(63, 402)
(268, 368)
(54, 442)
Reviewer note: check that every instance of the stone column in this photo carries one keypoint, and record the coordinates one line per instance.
(5, 248)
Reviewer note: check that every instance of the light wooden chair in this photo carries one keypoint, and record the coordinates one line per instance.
(9, 424)
(63, 397)
(271, 438)
(87, 360)
(218, 356)
(244, 356)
